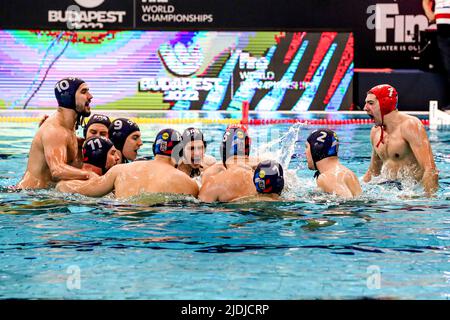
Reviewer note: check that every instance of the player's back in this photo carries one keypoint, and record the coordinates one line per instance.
(152, 177)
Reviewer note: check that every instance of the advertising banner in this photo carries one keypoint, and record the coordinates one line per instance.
(387, 33)
(181, 70)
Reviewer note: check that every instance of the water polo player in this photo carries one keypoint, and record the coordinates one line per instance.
(322, 148)
(194, 160)
(400, 145)
(54, 150)
(126, 136)
(236, 179)
(269, 180)
(100, 153)
(98, 125)
(160, 176)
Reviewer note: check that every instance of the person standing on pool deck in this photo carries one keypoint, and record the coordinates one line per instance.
(126, 136)
(99, 155)
(438, 11)
(54, 150)
(400, 145)
(146, 176)
(236, 178)
(322, 155)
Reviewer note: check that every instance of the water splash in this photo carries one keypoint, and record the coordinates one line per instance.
(283, 148)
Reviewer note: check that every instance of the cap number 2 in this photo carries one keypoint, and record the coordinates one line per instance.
(322, 137)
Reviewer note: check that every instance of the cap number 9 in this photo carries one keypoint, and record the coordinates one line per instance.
(117, 125)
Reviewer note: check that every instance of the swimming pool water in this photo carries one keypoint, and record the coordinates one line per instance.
(385, 244)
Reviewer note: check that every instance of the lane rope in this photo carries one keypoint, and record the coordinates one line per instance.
(251, 122)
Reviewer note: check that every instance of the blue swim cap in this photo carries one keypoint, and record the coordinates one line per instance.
(192, 134)
(97, 118)
(165, 142)
(323, 143)
(65, 90)
(235, 142)
(95, 151)
(268, 177)
(119, 130)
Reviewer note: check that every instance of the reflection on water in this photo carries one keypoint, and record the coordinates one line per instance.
(315, 224)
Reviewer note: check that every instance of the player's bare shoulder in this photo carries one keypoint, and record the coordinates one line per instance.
(179, 174)
(411, 126)
(410, 121)
(51, 130)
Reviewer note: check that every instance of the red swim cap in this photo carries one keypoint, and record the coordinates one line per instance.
(387, 98)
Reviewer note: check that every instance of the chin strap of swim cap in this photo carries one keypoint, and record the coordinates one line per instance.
(388, 99)
(382, 134)
(80, 121)
(194, 173)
